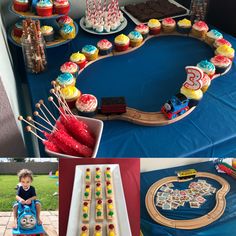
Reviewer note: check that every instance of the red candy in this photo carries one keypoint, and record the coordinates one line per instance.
(98, 227)
(98, 184)
(84, 228)
(97, 169)
(87, 186)
(85, 204)
(109, 201)
(99, 201)
(111, 226)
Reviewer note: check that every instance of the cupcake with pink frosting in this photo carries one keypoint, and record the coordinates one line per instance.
(220, 42)
(221, 63)
(200, 29)
(87, 105)
(168, 25)
(143, 30)
(105, 47)
(70, 67)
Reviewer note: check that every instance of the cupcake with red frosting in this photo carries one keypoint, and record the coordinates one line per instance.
(44, 8)
(104, 46)
(18, 29)
(143, 30)
(221, 63)
(200, 29)
(87, 105)
(61, 7)
(65, 20)
(220, 42)
(168, 25)
(70, 67)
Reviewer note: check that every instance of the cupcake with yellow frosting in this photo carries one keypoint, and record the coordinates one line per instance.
(70, 94)
(136, 38)
(90, 52)
(79, 59)
(200, 29)
(47, 32)
(122, 43)
(184, 26)
(194, 96)
(226, 51)
(154, 26)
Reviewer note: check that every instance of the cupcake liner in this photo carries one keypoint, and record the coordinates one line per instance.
(154, 31)
(61, 10)
(17, 32)
(91, 57)
(221, 70)
(70, 35)
(104, 52)
(198, 34)
(22, 7)
(87, 114)
(44, 11)
(193, 103)
(182, 30)
(121, 48)
(145, 35)
(168, 29)
(135, 43)
(49, 37)
(209, 41)
(205, 88)
(81, 64)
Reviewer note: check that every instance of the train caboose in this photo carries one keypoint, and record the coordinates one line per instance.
(113, 105)
(176, 106)
(27, 223)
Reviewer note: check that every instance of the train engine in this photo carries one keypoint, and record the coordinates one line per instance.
(27, 221)
(176, 106)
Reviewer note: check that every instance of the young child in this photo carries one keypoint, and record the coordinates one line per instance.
(26, 194)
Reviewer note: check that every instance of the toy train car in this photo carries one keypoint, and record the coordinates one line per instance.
(185, 174)
(176, 106)
(113, 105)
(27, 221)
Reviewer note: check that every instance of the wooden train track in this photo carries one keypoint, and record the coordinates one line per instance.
(196, 223)
(140, 117)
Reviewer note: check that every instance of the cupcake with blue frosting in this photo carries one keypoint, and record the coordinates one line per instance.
(90, 52)
(212, 36)
(136, 38)
(207, 67)
(67, 32)
(65, 79)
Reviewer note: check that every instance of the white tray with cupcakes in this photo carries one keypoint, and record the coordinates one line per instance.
(117, 223)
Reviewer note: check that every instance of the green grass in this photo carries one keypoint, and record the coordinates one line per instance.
(45, 187)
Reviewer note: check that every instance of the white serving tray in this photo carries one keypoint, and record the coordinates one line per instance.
(75, 219)
(137, 22)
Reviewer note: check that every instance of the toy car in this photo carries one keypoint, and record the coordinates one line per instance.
(176, 106)
(111, 105)
(185, 174)
(27, 221)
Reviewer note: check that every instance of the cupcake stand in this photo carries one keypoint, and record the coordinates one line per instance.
(44, 20)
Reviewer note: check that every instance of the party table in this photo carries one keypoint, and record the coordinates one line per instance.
(147, 77)
(130, 174)
(223, 226)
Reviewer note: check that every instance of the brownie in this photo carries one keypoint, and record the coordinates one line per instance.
(154, 9)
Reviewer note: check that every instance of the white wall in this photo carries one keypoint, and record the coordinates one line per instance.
(149, 164)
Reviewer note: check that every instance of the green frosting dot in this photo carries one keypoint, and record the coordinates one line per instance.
(98, 193)
(111, 213)
(108, 176)
(109, 191)
(86, 194)
(97, 176)
(87, 177)
(99, 213)
(85, 215)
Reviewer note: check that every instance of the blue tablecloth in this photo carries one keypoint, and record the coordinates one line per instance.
(147, 77)
(223, 226)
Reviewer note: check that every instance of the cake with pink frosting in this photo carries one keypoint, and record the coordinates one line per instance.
(87, 105)
(200, 29)
(104, 46)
